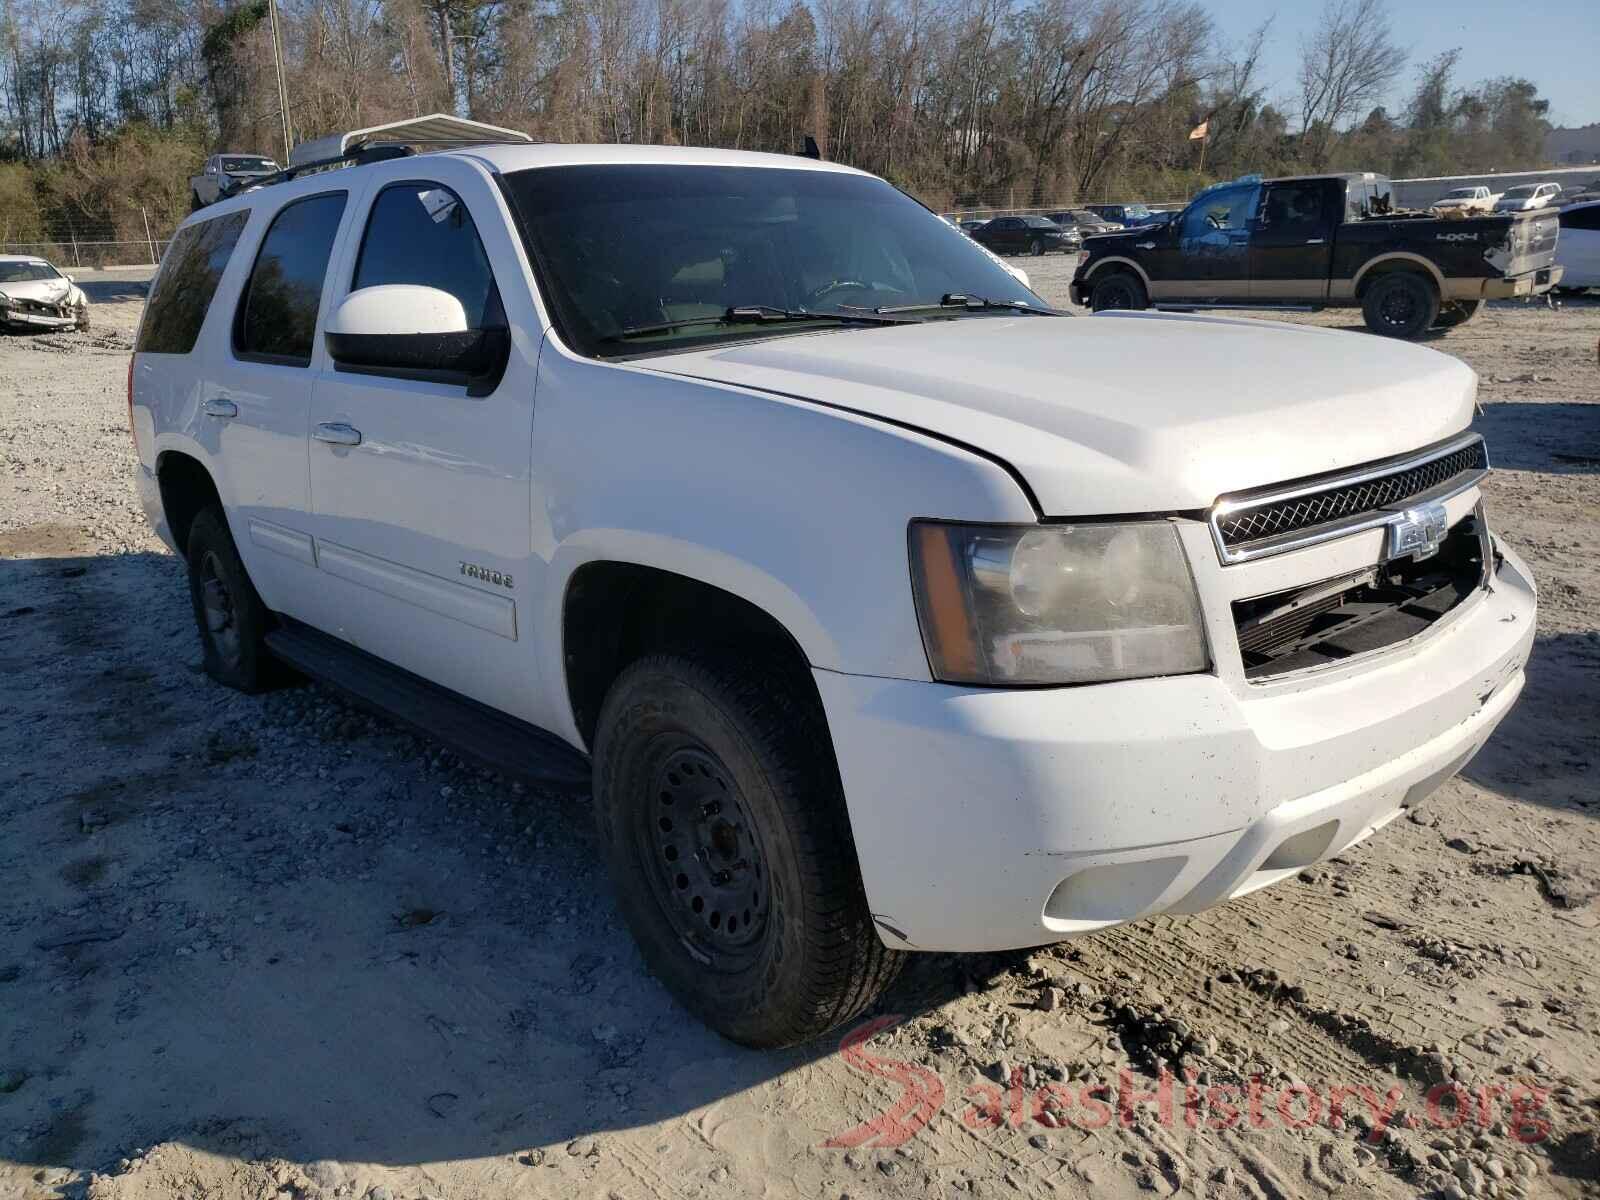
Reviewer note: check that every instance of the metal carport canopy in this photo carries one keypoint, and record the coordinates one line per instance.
(436, 131)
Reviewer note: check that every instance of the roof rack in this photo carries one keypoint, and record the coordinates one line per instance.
(378, 143)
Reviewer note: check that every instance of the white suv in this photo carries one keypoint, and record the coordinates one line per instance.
(883, 607)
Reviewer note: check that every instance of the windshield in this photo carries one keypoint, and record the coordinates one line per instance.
(1518, 192)
(625, 249)
(26, 272)
(1462, 194)
(248, 163)
(1136, 210)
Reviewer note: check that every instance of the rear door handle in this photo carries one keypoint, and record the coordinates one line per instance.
(220, 406)
(1313, 241)
(1145, 246)
(337, 433)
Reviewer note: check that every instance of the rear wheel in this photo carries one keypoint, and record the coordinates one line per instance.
(1118, 290)
(232, 619)
(1401, 304)
(1457, 312)
(1036, 247)
(723, 824)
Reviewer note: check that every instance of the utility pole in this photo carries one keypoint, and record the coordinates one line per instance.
(283, 90)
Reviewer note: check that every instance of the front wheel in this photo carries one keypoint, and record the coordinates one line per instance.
(1401, 304)
(1036, 247)
(723, 824)
(1118, 290)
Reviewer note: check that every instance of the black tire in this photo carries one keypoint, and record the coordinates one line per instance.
(1036, 247)
(1401, 304)
(194, 202)
(1457, 312)
(1118, 290)
(227, 609)
(723, 824)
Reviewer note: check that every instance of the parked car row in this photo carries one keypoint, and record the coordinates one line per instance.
(1063, 229)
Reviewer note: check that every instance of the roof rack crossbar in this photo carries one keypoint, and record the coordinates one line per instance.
(354, 157)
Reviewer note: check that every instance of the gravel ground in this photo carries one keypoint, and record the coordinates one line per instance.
(273, 947)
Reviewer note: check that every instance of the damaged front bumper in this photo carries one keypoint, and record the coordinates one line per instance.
(34, 314)
(986, 819)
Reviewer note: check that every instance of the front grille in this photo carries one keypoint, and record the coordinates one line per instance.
(1285, 517)
(1337, 619)
(38, 306)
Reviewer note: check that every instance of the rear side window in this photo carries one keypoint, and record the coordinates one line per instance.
(277, 316)
(186, 283)
(421, 233)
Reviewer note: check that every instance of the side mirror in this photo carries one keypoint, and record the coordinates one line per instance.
(406, 331)
(70, 278)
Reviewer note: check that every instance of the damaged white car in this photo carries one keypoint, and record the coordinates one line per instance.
(34, 295)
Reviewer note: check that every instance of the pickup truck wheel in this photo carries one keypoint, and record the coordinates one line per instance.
(1117, 290)
(1401, 304)
(232, 619)
(723, 825)
(1457, 312)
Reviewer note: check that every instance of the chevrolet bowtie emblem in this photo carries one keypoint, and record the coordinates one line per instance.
(1418, 531)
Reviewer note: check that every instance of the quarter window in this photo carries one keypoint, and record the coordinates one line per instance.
(277, 317)
(186, 283)
(421, 233)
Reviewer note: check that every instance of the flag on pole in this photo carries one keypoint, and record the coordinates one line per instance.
(1198, 133)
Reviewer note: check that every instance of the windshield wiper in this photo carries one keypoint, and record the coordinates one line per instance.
(960, 300)
(760, 313)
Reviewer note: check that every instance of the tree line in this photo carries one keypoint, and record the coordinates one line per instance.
(107, 106)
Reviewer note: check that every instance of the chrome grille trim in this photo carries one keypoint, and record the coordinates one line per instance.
(1276, 520)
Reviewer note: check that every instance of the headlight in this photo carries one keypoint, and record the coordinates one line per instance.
(1055, 604)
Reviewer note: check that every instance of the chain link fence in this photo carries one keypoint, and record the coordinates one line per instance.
(72, 244)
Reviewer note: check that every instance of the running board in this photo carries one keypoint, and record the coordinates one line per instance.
(1240, 307)
(490, 738)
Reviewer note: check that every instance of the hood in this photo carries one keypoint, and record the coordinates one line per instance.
(1126, 412)
(51, 291)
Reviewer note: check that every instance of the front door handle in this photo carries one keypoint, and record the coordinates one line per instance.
(1145, 246)
(220, 406)
(1313, 241)
(337, 433)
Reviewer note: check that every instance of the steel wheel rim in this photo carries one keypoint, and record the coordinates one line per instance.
(1398, 309)
(217, 608)
(704, 857)
(1118, 295)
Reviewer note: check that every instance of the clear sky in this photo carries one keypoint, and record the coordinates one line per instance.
(1554, 43)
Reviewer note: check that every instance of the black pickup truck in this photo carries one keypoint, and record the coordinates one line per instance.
(1322, 241)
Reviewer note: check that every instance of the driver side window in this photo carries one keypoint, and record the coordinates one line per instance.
(1227, 210)
(421, 233)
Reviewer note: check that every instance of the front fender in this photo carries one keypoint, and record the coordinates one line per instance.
(795, 507)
